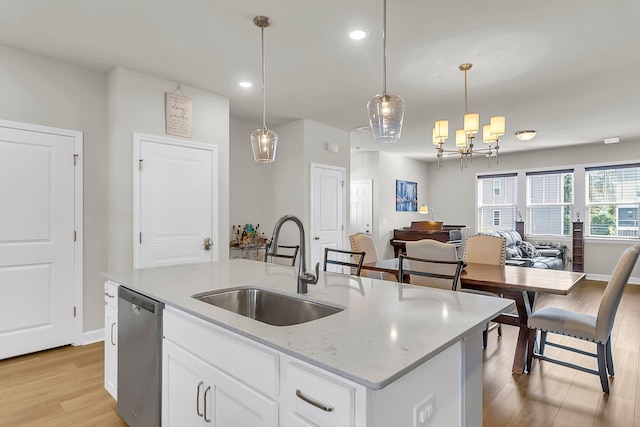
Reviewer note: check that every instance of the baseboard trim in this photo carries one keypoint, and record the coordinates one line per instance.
(606, 278)
(91, 337)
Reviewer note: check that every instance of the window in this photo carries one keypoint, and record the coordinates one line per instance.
(612, 201)
(497, 201)
(549, 202)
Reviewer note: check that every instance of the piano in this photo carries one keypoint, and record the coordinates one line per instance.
(425, 230)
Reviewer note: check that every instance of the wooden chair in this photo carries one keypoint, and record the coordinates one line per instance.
(290, 254)
(486, 249)
(362, 242)
(596, 329)
(336, 257)
(429, 249)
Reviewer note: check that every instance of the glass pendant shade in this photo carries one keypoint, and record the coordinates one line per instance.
(386, 113)
(264, 143)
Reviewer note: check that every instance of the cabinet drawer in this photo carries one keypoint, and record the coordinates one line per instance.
(318, 398)
(237, 356)
(111, 294)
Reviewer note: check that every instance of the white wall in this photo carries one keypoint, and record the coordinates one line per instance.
(384, 169)
(453, 192)
(136, 104)
(262, 193)
(48, 92)
(252, 189)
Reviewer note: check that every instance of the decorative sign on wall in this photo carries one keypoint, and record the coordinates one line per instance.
(178, 110)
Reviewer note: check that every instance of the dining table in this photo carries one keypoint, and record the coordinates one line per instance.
(521, 284)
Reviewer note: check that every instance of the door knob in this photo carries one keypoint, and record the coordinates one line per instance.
(207, 244)
(316, 238)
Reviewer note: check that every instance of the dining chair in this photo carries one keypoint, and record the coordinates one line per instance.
(290, 254)
(485, 249)
(429, 272)
(337, 257)
(419, 255)
(361, 242)
(596, 329)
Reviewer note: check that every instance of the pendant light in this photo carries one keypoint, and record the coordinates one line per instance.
(386, 111)
(263, 140)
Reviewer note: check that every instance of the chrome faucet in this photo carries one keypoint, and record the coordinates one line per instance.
(304, 278)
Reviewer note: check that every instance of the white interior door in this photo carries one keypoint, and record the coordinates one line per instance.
(176, 202)
(327, 210)
(37, 239)
(361, 207)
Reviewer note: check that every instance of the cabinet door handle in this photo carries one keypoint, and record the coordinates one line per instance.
(309, 400)
(198, 400)
(205, 404)
(113, 325)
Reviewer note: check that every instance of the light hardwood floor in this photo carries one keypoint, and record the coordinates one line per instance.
(64, 386)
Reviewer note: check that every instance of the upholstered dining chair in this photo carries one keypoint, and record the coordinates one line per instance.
(350, 259)
(362, 242)
(596, 329)
(419, 255)
(486, 249)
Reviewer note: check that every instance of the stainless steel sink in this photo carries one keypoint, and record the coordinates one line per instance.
(267, 306)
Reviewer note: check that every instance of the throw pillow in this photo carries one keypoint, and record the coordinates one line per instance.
(528, 249)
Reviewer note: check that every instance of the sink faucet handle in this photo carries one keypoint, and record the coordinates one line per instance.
(310, 277)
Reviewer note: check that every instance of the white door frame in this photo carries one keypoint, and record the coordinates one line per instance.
(78, 215)
(137, 142)
(343, 171)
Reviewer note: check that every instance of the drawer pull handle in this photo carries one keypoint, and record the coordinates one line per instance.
(313, 402)
(113, 325)
(200, 414)
(207, 419)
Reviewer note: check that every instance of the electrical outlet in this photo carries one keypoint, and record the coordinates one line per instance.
(424, 412)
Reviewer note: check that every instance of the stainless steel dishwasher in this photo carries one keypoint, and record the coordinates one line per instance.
(139, 358)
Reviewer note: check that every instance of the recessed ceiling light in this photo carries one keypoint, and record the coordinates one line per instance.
(245, 84)
(358, 33)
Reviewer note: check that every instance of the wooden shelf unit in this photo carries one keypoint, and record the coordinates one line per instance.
(578, 247)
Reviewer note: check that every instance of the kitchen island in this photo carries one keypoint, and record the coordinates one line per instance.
(396, 355)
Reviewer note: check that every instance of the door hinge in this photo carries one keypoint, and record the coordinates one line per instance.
(75, 235)
(140, 238)
(75, 312)
(75, 159)
(140, 164)
(342, 184)
(342, 227)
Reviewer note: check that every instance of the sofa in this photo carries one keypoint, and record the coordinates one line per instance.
(520, 252)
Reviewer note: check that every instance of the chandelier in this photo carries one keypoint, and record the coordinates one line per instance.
(491, 132)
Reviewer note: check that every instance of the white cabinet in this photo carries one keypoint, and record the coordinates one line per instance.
(197, 386)
(111, 338)
(214, 377)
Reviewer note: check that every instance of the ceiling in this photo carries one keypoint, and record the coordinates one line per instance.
(567, 69)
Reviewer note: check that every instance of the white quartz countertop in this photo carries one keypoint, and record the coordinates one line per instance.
(386, 330)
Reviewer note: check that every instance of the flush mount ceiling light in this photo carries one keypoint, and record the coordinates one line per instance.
(263, 140)
(245, 84)
(491, 132)
(386, 111)
(525, 135)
